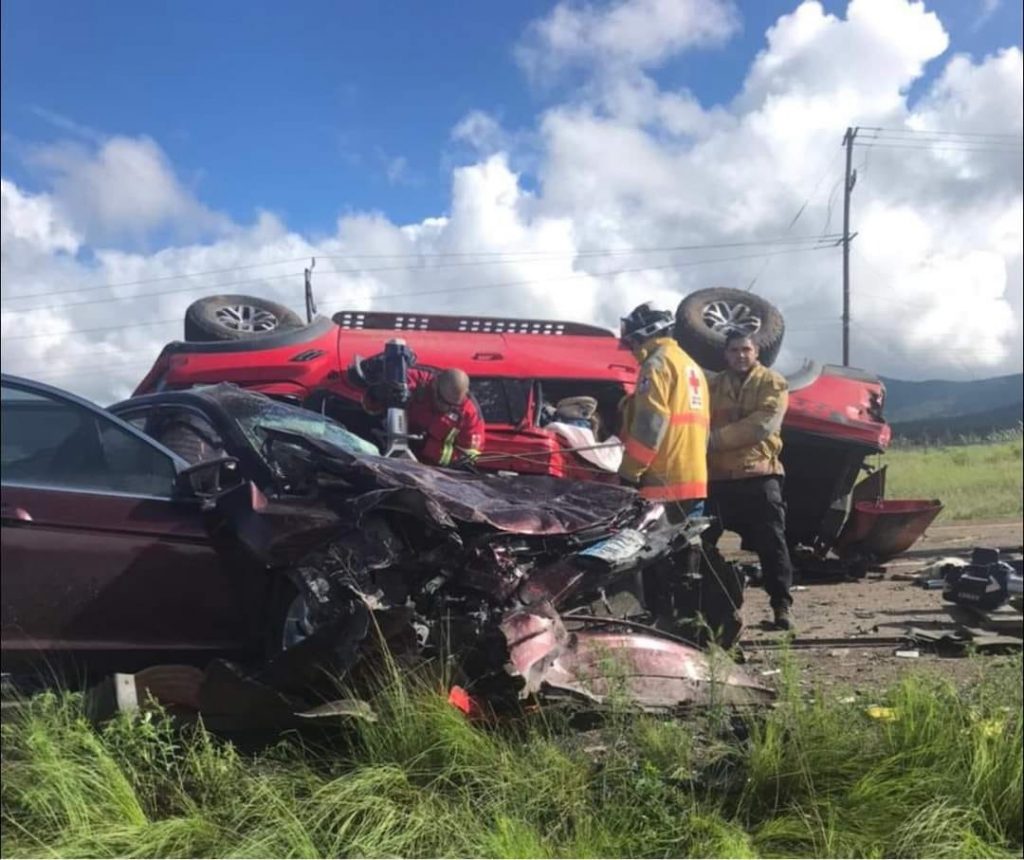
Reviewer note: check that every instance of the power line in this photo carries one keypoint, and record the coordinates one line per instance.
(154, 280)
(613, 273)
(496, 256)
(475, 287)
(914, 132)
(218, 287)
(559, 254)
(796, 217)
(93, 370)
(208, 288)
(938, 147)
(89, 330)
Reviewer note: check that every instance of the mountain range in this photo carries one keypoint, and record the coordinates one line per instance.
(938, 408)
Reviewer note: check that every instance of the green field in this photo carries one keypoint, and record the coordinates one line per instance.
(980, 481)
(937, 772)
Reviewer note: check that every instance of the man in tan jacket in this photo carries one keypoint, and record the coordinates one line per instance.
(748, 403)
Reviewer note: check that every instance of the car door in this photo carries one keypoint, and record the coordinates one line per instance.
(99, 557)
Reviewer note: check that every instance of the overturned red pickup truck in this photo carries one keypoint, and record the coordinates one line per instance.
(522, 368)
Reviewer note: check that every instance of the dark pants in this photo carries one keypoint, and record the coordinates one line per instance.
(695, 593)
(753, 508)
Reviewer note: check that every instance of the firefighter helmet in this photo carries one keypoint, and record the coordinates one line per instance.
(643, 323)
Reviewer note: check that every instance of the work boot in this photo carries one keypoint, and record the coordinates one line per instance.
(783, 621)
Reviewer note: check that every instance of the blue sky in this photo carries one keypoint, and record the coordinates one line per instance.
(143, 142)
(317, 108)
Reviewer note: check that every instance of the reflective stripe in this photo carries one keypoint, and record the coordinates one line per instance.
(689, 418)
(649, 426)
(640, 452)
(676, 492)
(448, 447)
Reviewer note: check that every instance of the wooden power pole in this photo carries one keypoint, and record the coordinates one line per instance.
(848, 183)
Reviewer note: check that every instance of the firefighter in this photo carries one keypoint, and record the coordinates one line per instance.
(664, 430)
(748, 403)
(665, 421)
(441, 411)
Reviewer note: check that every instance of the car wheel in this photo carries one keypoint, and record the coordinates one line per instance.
(236, 318)
(706, 317)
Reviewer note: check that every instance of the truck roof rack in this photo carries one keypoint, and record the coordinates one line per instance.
(385, 321)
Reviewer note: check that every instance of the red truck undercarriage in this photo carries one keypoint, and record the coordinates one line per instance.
(520, 368)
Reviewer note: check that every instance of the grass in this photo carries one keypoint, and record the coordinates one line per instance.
(940, 776)
(975, 481)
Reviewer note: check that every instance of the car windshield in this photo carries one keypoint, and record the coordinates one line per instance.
(256, 414)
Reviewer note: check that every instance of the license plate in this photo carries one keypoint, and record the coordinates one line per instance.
(619, 548)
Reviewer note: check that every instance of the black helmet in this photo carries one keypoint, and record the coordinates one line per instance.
(643, 323)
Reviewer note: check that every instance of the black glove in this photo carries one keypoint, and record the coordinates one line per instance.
(355, 373)
(388, 394)
(465, 464)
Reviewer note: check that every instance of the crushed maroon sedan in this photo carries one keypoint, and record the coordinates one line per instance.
(220, 523)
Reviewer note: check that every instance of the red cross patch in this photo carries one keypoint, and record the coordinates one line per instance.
(693, 382)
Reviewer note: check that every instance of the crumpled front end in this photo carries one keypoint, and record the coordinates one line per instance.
(650, 670)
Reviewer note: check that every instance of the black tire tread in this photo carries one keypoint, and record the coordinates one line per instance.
(706, 346)
(201, 324)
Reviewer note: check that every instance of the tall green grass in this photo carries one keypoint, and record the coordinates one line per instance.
(811, 777)
(978, 481)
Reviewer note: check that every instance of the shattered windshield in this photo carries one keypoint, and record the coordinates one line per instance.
(257, 414)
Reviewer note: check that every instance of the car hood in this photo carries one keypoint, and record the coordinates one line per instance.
(523, 504)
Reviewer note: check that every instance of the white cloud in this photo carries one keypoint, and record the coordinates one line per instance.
(624, 33)
(482, 132)
(869, 58)
(622, 164)
(122, 187)
(31, 223)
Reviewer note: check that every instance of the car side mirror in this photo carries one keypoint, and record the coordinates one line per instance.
(210, 479)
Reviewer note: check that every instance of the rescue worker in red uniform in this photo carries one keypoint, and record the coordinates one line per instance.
(442, 412)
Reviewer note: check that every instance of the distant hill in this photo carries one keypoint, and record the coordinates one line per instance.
(937, 408)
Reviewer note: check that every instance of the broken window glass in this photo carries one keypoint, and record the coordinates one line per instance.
(253, 415)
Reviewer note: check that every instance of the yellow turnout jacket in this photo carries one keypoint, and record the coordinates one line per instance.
(665, 425)
(746, 422)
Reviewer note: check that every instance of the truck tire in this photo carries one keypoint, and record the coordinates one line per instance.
(705, 317)
(236, 318)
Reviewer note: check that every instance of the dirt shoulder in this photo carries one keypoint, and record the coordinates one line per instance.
(870, 609)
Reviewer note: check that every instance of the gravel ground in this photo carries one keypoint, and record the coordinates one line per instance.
(867, 609)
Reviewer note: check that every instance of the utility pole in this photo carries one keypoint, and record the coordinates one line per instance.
(848, 183)
(310, 301)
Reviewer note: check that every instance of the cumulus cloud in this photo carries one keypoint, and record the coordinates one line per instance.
(617, 168)
(121, 187)
(870, 57)
(625, 33)
(30, 224)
